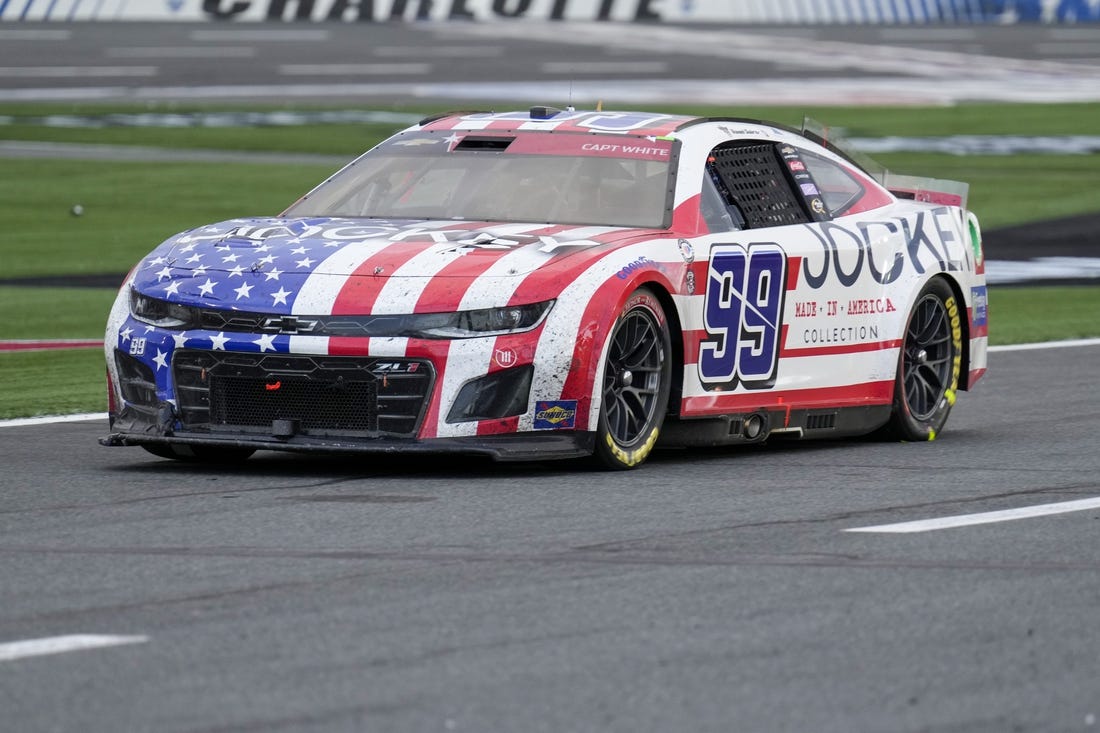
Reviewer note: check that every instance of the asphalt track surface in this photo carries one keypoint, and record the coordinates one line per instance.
(711, 590)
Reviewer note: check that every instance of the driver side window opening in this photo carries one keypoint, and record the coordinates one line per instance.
(753, 181)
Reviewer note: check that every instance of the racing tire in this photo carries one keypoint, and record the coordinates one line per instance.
(199, 453)
(927, 381)
(637, 376)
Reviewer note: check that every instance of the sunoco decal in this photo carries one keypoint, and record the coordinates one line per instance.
(555, 414)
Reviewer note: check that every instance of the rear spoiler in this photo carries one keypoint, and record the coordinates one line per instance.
(917, 188)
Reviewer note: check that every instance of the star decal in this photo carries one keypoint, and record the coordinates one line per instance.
(305, 262)
(180, 339)
(280, 296)
(193, 258)
(452, 140)
(274, 274)
(207, 288)
(160, 360)
(231, 258)
(173, 288)
(236, 271)
(200, 270)
(267, 260)
(265, 342)
(219, 341)
(298, 251)
(125, 334)
(244, 291)
(156, 261)
(161, 274)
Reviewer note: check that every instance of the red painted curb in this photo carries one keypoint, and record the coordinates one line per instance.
(45, 345)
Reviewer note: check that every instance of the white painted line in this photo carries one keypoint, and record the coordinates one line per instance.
(61, 644)
(61, 72)
(353, 69)
(1047, 345)
(604, 67)
(181, 52)
(966, 520)
(51, 419)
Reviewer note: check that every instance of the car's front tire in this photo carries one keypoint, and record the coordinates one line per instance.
(637, 376)
(929, 366)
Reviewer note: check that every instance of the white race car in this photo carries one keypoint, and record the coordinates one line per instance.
(557, 284)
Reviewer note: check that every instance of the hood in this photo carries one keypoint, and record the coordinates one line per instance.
(307, 265)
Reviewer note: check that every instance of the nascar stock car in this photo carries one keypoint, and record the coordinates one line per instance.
(559, 284)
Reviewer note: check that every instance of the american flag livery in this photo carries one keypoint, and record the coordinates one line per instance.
(331, 329)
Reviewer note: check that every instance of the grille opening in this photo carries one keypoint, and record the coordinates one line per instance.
(137, 381)
(821, 421)
(258, 401)
(325, 395)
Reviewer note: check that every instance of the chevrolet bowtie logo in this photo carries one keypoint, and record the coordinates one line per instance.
(289, 324)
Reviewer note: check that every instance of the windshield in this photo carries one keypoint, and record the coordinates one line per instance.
(575, 181)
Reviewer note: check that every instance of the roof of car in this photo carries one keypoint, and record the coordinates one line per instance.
(652, 124)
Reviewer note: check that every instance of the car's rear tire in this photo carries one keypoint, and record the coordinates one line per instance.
(199, 453)
(929, 365)
(636, 379)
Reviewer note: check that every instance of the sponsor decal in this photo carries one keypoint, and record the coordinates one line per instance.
(817, 206)
(863, 306)
(624, 273)
(840, 334)
(924, 241)
(689, 282)
(809, 189)
(555, 414)
(397, 10)
(686, 251)
(742, 315)
(796, 165)
(505, 358)
(416, 141)
(981, 305)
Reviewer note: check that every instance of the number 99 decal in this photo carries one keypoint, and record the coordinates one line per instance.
(743, 313)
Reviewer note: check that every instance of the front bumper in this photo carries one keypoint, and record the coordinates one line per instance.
(511, 447)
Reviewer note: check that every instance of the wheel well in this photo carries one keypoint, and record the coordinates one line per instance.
(675, 331)
(964, 321)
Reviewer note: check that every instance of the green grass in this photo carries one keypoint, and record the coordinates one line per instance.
(52, 383)
(129, 208)
(55, 313)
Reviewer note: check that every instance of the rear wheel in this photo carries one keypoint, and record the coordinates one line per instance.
(199, 453)
(929, 365)
(636, 380)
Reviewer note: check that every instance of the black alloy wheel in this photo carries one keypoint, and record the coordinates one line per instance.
(931, 358)
(636, 382)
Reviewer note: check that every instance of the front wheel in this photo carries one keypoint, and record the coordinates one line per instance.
(929, 365)
(636, 380)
